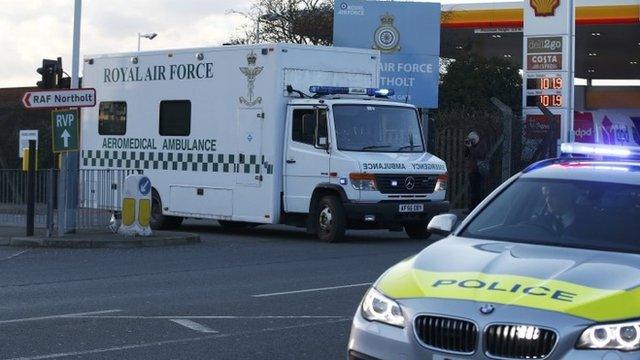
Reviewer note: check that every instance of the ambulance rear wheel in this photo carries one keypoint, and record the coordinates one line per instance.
(159, 221)
(417, 230)
(331, 221)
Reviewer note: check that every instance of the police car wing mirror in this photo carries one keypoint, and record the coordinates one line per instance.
(442, 224)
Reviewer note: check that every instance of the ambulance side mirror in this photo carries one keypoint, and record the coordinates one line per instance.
(442, 224)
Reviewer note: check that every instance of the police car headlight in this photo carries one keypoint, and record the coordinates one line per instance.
(623, 336)
(377, 307)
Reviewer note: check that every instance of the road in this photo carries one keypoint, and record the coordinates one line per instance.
(264, 293)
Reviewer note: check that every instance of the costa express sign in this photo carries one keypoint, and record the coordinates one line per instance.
(544, 7)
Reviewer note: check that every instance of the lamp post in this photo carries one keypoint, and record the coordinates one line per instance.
(266, 17)
(68, 180)
(149, 36)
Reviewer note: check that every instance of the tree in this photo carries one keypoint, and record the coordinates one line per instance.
(471, 81)
(466, 89)
(292, 21)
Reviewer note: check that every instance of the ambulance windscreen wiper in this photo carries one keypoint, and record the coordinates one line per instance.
(371, 147)
(410, 147)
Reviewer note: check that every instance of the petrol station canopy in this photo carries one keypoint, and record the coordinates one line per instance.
(607, 35)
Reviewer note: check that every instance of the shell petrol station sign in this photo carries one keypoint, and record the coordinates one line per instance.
(544, 7)
(548, 63)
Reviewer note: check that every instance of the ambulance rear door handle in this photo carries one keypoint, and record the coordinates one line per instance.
(291, 161)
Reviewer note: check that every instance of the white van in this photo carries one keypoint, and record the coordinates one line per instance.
(235, 133)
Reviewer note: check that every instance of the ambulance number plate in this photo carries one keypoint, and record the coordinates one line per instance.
(411, 208)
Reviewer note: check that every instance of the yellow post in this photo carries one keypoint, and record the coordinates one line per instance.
(25, 160)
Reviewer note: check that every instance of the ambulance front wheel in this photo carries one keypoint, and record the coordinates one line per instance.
(331, 220)
(159, 221)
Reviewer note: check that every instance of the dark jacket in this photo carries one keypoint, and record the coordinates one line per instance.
(474, 154)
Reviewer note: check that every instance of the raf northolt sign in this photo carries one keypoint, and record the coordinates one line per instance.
(49, 99)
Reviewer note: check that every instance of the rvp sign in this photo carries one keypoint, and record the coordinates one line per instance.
(48, 99)
(64, 129)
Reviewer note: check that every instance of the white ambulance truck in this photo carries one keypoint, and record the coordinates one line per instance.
(234, 134)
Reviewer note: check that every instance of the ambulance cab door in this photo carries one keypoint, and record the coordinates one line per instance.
(307, 158)
(249, 145)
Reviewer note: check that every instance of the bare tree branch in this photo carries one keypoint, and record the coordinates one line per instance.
(298, 21)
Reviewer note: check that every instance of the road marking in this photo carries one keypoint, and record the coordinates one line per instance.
(175, 341)
(16, 254)
(193, 325)
(208, 317)
(312, 290)
(61, 316)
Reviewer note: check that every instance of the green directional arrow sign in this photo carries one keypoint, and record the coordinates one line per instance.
(64, 126)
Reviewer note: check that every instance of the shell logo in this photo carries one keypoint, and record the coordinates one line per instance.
(545, 7)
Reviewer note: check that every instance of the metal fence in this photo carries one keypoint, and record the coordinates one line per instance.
(99, 194)
(449, 147)
(13, 197)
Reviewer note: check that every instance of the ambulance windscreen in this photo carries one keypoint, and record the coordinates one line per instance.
(377, 128)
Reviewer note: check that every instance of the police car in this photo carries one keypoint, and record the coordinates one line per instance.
(547, 267)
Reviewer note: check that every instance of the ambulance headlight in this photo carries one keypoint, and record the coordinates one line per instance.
(622, 336)
(377, 307)
(363, 181)
(441, 183)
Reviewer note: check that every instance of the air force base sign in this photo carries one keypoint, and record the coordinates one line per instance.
(408, 37)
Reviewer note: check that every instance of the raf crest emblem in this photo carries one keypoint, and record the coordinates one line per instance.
(386, 38)
(251, 72)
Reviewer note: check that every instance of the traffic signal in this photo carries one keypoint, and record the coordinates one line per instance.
(61, 81)
(49, 73)
(52, 75)
(65, 83)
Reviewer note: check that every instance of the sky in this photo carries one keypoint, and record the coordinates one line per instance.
(31, 30)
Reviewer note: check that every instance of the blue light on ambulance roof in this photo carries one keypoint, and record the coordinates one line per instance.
(598, 150)
(343, 90)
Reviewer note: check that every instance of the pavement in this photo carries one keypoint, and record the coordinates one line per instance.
(104, 238)
(262, 293)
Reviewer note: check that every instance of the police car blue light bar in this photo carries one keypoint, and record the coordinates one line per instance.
(599, 150)
(343, 90)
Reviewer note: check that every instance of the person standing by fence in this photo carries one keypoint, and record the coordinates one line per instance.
(476, 165)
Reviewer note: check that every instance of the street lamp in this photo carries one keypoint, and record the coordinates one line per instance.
(149, 36)
(268, 18)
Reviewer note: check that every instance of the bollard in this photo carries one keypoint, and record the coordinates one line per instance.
(31, 187)
(136, 206)
(50, 200)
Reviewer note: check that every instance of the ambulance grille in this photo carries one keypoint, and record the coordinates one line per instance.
(519, 342)
(406, 183)
(447, 334)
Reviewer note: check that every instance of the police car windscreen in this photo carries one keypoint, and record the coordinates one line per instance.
(377, 128)
(582, 214)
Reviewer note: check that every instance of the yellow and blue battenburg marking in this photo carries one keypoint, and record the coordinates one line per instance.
(404, 282)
